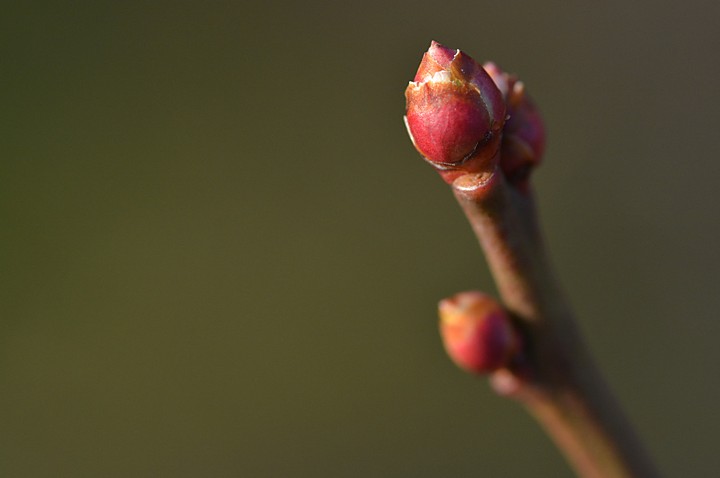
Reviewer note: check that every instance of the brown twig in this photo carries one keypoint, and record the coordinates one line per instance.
(555, 377)
(477, 126)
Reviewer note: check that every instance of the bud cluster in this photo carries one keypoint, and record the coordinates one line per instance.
(466, 118)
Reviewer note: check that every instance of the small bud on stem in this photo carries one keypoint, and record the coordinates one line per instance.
(477, 332)
(523, 142)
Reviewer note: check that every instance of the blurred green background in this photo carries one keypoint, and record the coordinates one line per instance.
(221, 255)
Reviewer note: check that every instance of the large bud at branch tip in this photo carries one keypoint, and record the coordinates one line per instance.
(455, 113)
(477, 333)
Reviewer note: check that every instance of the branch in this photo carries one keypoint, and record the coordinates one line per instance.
(477, 126)
(555, 378)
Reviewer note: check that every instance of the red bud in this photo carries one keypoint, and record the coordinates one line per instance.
(455, 113)
(477, 333)
(523, 142)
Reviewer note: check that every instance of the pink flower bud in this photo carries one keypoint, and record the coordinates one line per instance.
(477, 333)
(455, 113)
(523, 142)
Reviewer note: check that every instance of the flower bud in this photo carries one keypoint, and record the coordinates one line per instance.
(523, 142)
(455, 113)
(477, 333)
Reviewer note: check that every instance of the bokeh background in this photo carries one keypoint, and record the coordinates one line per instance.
(221, 256)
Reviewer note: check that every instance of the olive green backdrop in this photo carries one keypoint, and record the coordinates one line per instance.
(221, 255)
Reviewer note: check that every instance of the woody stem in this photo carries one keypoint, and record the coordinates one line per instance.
(557, 380)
